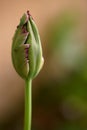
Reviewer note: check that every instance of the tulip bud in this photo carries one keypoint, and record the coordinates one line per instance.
(26, 48)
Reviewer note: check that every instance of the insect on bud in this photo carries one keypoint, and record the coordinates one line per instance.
(26, 48)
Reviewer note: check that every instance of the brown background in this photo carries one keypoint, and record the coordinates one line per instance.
(11, 85)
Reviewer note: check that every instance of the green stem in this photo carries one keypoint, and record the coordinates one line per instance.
(28, 104)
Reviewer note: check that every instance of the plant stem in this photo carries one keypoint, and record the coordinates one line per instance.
(28, 104)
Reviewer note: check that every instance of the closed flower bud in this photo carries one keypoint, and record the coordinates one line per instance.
(26, 48)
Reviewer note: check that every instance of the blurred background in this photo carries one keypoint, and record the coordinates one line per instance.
(60, 90)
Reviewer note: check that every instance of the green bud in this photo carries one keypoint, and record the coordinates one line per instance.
(26, 48)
